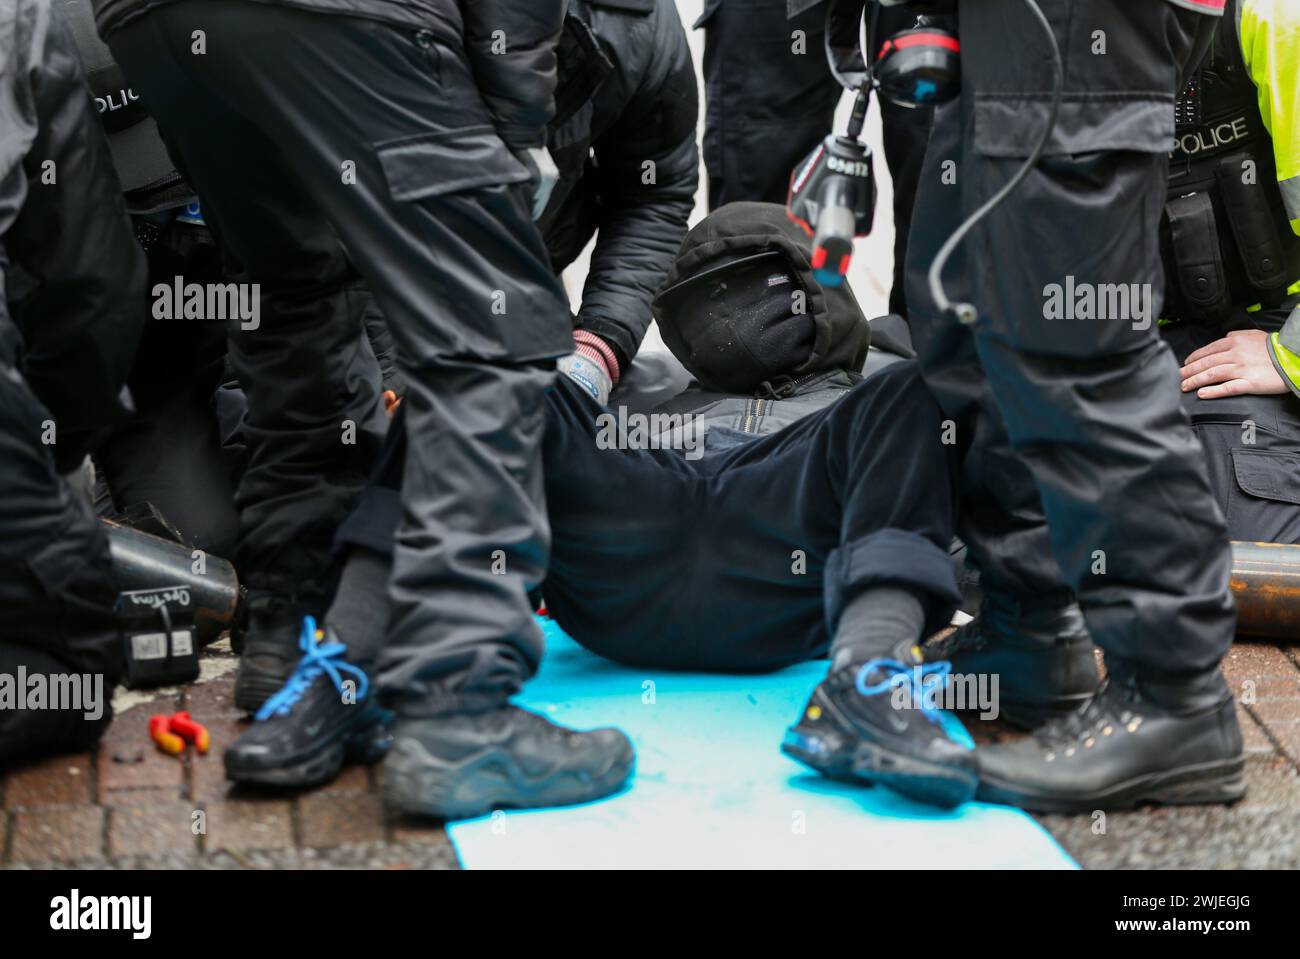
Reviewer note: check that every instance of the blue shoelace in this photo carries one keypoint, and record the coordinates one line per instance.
(920, 679)
(317, 658)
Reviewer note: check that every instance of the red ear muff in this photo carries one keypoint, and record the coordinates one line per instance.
(919, 67)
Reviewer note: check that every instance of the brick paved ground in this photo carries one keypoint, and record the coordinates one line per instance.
(129, 805)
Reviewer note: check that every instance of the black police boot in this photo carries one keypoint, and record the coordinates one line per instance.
(872, 723)
(323, 715)
(1039, 650)
(462, 765)
(270, 651)
(1139, 740)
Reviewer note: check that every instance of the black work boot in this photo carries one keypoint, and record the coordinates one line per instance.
(270, 651)
(323, 715)
(872, 723)
(1039, 650)
(1139, 740)
(462, 765)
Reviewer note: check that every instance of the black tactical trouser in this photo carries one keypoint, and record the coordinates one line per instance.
(170, 455)
(81, 324)
(1252, 443)
(767, 106)
(56, 593)
(184, 450)
(298, 127)
(1073, 421)
(743, 559)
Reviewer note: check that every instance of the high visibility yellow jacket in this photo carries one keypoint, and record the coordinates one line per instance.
(1269, 31)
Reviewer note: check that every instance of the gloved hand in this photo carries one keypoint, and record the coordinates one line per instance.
(545, 175)
(590, 374)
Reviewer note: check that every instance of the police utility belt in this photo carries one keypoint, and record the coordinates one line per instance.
(1225, 240)
(1200, 286)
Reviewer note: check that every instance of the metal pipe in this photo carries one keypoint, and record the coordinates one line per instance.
(1266, 585)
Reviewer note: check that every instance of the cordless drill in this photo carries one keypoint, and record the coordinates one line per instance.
(833, 197)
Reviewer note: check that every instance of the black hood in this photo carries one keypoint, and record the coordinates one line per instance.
(729, 313)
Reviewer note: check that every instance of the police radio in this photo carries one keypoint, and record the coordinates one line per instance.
(833, 191)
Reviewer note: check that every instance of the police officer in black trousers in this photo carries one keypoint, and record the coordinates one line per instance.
(181, 454)
(65, 353)
(770, 98)
(169, 455)
(1081, 474)
(401, 132)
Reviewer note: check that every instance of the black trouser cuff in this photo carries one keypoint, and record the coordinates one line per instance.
(892, 557)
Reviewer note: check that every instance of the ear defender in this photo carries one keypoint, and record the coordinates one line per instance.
(919, 67)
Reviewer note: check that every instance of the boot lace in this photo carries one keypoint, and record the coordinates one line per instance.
(1103, 714)
(921, 679)
(318, 658)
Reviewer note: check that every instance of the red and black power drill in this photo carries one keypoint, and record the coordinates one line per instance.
(833, 197)
(833, 191)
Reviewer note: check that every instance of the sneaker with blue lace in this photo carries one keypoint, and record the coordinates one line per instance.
(879, 722)
(321, 717)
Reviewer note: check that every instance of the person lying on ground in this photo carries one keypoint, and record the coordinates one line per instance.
(813, 517)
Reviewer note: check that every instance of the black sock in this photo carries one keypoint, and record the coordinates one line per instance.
(359, 613)
(879, 621)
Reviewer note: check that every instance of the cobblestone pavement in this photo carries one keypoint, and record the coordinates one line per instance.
(129, 805)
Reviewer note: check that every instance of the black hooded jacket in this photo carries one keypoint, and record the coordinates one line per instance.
(69, 261)
(623, 138)
(510, 45)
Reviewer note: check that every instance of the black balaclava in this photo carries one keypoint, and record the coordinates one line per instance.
(741, 308)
